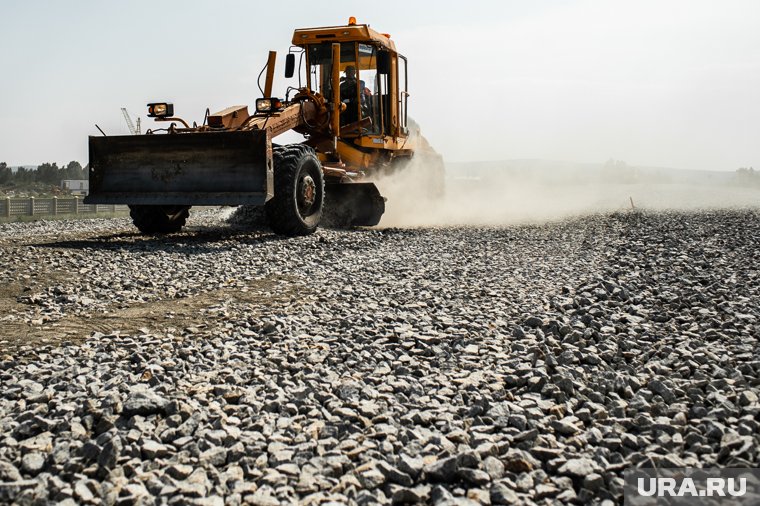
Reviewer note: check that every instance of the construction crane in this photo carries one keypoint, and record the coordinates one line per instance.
(130, 125)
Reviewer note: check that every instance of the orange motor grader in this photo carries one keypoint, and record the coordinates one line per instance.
(351, 107)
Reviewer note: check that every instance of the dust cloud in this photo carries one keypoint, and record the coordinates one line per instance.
(530, 191)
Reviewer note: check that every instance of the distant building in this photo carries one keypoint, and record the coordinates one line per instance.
(76, 186)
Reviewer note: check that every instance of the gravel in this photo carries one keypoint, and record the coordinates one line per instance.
(507, 365)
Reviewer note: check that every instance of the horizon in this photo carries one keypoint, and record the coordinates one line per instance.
(484, 162)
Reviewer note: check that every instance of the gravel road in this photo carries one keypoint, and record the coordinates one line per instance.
(507, 365)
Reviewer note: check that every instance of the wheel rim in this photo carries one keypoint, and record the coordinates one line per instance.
(306, 195)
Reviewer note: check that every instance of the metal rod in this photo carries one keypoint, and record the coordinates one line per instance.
(270, 73)
(174, 119)
(336, 90)
(101, 130)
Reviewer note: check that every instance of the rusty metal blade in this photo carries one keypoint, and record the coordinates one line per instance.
(209, 168)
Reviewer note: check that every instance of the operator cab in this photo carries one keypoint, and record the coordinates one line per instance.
(373, 82)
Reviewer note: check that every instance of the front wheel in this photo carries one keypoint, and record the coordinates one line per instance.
(299, 191)
(159, 219)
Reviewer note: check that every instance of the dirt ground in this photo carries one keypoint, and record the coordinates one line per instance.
(24, 326)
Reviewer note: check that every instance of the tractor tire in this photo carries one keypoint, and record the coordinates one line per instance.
(159, 219)
(299, 191)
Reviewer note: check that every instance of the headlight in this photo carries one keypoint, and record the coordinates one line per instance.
(268, 104)
(160, 110)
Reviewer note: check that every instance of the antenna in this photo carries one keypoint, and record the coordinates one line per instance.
(130, 125)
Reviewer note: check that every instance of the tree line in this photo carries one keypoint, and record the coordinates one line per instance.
(748, 176)
(46, 173)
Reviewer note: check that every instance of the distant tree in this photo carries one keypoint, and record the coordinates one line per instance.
(6, 174)
(22, 175)
(619, 171)
(613, 164)
(745, 171)
(748, 176)
(73, 170)
(49, 173)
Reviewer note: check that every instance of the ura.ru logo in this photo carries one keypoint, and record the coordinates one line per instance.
(685, 487)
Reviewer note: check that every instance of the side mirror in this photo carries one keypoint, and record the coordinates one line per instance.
(383, 62)
(290, 65)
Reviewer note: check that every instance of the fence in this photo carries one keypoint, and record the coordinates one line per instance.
(10, 207)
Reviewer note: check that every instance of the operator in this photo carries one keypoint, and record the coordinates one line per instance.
(348, 95)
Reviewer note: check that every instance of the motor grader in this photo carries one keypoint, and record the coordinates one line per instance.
(350, 105)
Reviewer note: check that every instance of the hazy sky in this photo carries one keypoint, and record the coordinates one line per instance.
(665, 83)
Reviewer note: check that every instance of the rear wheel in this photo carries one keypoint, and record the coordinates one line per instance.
(159, 219)
(299, 191)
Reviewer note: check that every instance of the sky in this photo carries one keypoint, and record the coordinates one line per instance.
(669, 83)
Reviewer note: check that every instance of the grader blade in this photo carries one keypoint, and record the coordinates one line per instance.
(189, 169)
(354, 204)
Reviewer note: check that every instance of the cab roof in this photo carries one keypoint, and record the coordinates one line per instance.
(344, 33)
